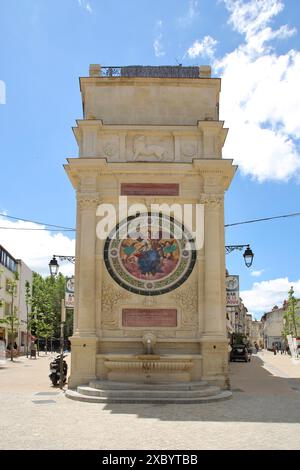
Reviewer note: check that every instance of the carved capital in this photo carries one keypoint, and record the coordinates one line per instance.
(87, 200)
(212, 200)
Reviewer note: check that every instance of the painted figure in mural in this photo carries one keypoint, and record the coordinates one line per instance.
(169, 249)
(149, 257)
(149, 262)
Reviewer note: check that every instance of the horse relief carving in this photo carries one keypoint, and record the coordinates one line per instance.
(142, 149)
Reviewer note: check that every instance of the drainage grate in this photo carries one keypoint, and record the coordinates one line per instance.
(237, 390)
(47, 393)
(43, 402)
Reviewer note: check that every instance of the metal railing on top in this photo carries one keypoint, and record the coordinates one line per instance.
(150, 71)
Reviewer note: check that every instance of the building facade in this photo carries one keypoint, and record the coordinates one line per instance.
(257, 333)
(150, 310)
(273, 326)
(9, 266)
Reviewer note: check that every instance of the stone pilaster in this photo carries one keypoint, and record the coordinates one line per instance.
(84, 340)
(213, 339)
(87, 203)
(214, 323)
(200, 267)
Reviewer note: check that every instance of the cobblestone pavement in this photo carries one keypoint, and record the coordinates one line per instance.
(264, 413)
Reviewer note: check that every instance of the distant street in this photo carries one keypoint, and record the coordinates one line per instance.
(264, 413)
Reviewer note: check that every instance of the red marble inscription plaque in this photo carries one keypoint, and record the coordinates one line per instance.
(149, 189)
(147, 317)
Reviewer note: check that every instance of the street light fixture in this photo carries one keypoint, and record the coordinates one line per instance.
(54, 267)
(248, 253)
(248, 256)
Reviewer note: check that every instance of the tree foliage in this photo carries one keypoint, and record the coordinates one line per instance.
(291, 318)
(46, 306)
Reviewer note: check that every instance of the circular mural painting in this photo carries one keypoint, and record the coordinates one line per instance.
(149, 254)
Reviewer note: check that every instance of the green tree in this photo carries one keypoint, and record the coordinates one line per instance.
(11, 321)
(45, 330)
(291, 319)
(46, 298)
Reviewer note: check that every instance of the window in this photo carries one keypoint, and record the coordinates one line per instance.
(7, 260)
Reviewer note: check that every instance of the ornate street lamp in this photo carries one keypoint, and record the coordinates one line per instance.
(248, 256)
(54, 267)
(248, 253)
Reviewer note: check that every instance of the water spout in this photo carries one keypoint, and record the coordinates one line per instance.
(149, 346)
(149, 341)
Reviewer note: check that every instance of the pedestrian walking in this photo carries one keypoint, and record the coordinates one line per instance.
(274, 349)
(32, 350)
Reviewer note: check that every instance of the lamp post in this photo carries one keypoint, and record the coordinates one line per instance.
(54, 268)
(248, 253)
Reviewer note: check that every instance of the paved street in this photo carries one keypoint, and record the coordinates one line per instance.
(263, 414)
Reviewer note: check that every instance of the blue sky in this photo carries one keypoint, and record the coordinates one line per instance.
(253, 45)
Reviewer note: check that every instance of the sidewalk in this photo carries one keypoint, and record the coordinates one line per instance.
(264, 413)
(27, 375)
(284, 363)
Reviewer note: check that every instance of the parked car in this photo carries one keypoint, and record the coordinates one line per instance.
(239, 352)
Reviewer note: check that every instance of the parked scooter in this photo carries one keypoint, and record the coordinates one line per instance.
(55, 370)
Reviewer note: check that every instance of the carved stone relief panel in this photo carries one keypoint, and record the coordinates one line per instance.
(190, 148)
(110, 146)
(112, 298)
(186, 298)
(143, 147)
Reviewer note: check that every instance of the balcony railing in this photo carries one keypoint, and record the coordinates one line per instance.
(165, 71)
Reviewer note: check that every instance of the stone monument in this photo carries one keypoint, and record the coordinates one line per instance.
(150, 314)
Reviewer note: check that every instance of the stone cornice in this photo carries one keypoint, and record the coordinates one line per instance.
(161, 81)
(212, 127)
(206, 167)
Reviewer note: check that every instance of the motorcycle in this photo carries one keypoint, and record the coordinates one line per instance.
(55, 370)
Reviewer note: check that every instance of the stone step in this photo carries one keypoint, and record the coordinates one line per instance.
(149, 394)
(109, 385)
(223, 395)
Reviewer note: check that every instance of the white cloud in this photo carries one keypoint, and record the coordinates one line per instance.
(260, 94)
(265, 294)
(36, 247)
(2, 92)
(85, 5)
(257, 273)
(190, 15)
(251, 18)
(157, 43)
(204, 48)
(158, 47)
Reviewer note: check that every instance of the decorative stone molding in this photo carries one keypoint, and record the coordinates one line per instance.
(148, 300)
(110, 150)
(149, 365)
(212, 200)
(111, 297)
(189, 149)
(187, 299)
